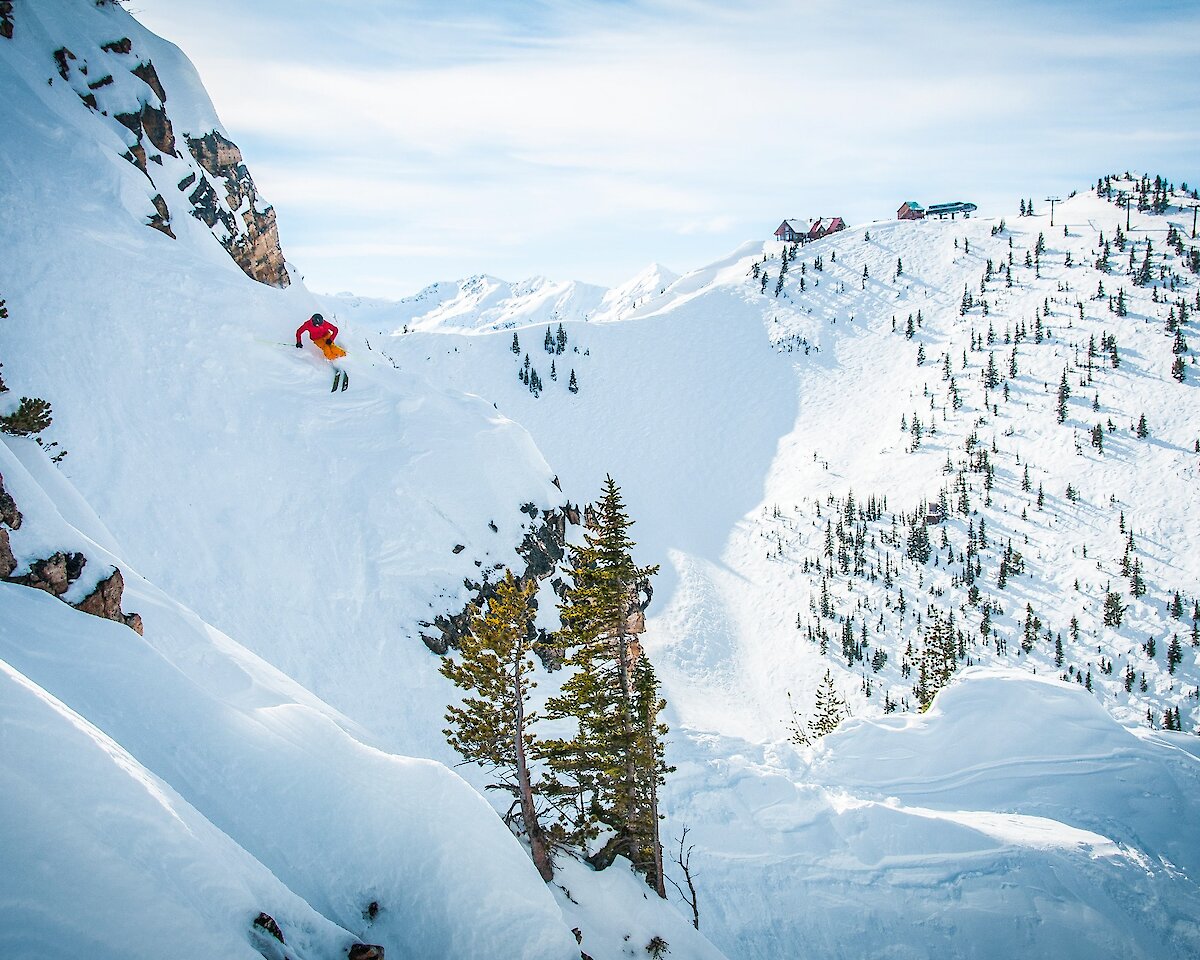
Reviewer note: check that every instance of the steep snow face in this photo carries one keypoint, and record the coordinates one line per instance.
(208, 459)
(181, 776)
(249, 510)
(91, 72)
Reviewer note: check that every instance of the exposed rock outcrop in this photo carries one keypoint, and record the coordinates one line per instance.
(124, 45)
(161, 218)
(105, 602)
(365, 951)
(154, 123)
(266, 922)
(10, 516)
(6, 19)
(8, 562)
(253, 243)
(55, 574)
(543, 546)
(149, 76)
(222, 192)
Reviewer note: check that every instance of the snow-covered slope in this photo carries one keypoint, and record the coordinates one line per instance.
(277, 730)
(739, 422)
(248, 509)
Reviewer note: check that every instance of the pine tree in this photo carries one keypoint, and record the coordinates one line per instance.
(613, 762)
(1064, 393)
(830, 708)
(991, 376)
(1114, 610)
(918, 547)
(1178, 370)
(1137, 586)
(1175, 608)
(516, 345)
(1142, 431)
(939, 658)
(33, 415)
(1174, 654)
(573, 385)
(493, 726)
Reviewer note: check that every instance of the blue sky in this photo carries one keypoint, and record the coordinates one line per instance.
(407, 142)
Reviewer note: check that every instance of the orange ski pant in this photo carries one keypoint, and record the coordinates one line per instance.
(331, 350)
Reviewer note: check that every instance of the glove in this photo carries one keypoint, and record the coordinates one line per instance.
(298, 344)
(329, 341)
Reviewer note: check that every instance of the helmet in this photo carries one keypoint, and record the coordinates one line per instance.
(317, 319)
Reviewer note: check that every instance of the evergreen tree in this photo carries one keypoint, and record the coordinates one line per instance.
(32, 416)
(493, 726)
(1175, 608)
(1178, 370)
(1064, 393)
(830, 708)
(573, 385)
(1114, 610)
(1137, 586)
(918, 547)
(613, 762)
(1174, 654)
(1142, 431)
(516, 345)
(939, 658)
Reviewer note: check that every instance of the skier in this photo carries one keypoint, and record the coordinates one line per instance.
(322, 334)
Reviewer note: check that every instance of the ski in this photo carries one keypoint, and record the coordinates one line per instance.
(345, 379)
(337, 376)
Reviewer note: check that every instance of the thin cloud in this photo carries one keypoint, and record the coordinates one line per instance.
(586, 138)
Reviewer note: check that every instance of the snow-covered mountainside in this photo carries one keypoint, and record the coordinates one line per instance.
(273, 740)
(765, 440)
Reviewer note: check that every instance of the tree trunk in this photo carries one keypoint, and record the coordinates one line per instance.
(603, 858)
(659, 884)
(628, 731)
(533, 829)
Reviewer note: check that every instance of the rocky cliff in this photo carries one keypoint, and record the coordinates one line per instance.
(119, 83)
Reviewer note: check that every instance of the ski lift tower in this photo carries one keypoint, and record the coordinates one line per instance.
(1195, 205)
(1052, 201)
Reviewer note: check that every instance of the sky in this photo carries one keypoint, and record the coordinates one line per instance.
(404, 142)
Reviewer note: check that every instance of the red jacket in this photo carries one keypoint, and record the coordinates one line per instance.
(322, 331)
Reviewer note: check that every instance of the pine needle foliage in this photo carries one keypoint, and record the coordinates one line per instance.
(493, 726)
(613, 764)
(33, 415)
